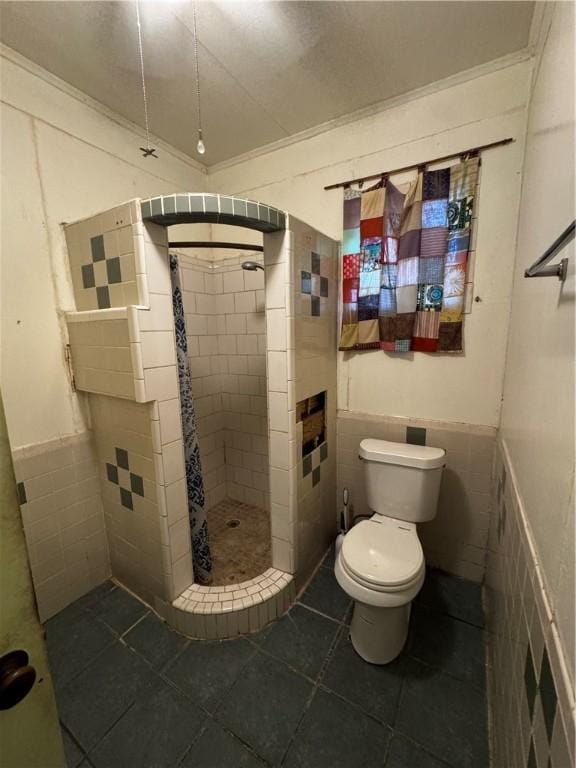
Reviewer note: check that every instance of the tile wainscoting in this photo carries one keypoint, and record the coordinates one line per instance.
(61, 506)
(456, 540)
(531, 696)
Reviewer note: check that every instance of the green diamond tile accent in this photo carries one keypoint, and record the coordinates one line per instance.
(416, 435)
(113, 270)
(88, 280)
(97, 248)
(112, 473)
(103, 297)
(126, 499)
(136, 484)
(122, 458)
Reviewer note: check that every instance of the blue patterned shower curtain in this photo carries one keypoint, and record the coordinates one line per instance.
(201, 556)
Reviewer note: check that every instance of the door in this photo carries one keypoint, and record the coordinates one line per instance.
(29, 730)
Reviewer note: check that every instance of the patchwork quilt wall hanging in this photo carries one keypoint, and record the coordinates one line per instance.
(404, 262)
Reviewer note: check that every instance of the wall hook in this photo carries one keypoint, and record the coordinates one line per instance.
(148, 152)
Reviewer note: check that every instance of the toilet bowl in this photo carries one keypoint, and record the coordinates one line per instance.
(381, 563)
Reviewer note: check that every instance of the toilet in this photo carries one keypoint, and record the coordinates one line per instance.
(380, 563)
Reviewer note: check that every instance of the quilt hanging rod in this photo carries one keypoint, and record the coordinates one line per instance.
(560, 270)
(464, 152)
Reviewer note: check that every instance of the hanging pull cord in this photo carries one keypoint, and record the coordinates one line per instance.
(200, 147)
(147, 151)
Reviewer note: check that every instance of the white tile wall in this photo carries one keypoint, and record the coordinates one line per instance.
(226, 351)
(134, 535)
(102, 356)
(129, 353)
(301, 361)
(63, 520)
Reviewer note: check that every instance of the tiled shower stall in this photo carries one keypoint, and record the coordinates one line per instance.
(261, 350)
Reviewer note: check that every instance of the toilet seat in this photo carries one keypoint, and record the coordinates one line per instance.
(383, 554)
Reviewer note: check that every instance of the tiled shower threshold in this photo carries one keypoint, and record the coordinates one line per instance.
(223, 612)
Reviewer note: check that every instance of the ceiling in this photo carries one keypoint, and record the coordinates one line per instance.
(268, 70)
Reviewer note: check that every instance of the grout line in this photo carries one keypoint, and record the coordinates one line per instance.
(324, 615)
(245, 744)
(400, 695)
(445, 672)
(170, 682)
(73, 738)
(114, 724)
(91, 662)
(315, 686)
(117, 635)
(490, 694)
(420, 746)
(451, 615)
(355, 705)
(282, 661)
(233, 683)
(179, 653)
(131, 627)
(201, 732)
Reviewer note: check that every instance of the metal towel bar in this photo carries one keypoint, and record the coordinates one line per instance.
(539, 268)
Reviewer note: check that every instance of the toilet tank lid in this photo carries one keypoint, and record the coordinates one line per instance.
(402, 454)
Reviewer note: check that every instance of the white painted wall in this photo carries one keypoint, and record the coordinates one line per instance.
(64, 157)
(538, 409)
(451, 116)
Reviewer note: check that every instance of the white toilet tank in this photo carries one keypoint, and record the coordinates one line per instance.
(402, 480)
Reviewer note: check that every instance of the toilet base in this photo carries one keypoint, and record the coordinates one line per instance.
(379, 634)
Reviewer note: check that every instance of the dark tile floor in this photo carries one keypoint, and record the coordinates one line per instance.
(131, 692)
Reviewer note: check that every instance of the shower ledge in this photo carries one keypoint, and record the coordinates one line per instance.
(223, 612)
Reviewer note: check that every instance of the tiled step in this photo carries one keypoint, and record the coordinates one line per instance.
(223, 612)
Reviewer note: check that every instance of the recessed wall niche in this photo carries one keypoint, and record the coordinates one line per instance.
(312, 413)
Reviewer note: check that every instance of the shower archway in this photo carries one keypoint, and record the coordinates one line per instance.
(245, 549)
(168, 210)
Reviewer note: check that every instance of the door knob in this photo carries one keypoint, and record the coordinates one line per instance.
(16, 678)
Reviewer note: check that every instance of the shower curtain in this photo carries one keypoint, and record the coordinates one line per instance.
(201, 556)
(404, 262)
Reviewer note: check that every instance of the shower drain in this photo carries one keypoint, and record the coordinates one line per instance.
(233, 523)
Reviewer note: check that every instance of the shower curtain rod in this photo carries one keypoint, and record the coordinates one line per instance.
(212, 244)
(471, 151)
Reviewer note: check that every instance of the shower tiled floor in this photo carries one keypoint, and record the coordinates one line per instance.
(239, 541)
(132, 693)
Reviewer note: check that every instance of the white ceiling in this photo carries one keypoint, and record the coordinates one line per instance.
(268, 69)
